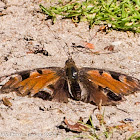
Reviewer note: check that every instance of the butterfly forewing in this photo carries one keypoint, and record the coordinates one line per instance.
(107, 87)
(48, 80)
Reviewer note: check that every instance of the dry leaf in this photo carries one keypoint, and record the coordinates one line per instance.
(100, 118)
(137, 103)
(89, 45)
(109, 48)
(102, 28)
(6, 102)
(125, 126)
(78, 127)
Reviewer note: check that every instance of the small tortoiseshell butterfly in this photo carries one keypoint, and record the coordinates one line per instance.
(89, 85)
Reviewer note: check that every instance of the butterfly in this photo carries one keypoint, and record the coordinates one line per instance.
(90, 85)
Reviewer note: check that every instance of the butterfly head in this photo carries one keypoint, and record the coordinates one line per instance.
(69, 62)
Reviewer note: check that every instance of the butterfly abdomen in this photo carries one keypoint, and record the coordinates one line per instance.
(75, 90)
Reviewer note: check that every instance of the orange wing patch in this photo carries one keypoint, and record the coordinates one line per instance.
(106, 87)
(105, 80)
(30, 83)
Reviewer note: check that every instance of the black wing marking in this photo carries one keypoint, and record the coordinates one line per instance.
(107, 87)
(42, 82)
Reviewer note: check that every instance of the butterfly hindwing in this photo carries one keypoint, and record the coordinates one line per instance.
(61, 92)
(107, 87)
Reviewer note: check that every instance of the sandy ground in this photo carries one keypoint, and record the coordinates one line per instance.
(23, 29)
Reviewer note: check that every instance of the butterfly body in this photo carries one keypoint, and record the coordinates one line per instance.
(72, 75)
(96, 86)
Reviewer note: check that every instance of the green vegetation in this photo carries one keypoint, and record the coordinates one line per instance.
(121, 15)
(104, 132)
(135, 136)
(96, 133)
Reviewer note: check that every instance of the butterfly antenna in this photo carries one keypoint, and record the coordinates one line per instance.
(67, 52)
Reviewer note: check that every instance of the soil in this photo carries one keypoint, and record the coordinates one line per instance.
(23, 29)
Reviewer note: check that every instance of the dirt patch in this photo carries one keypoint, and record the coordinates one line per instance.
(22, 29)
